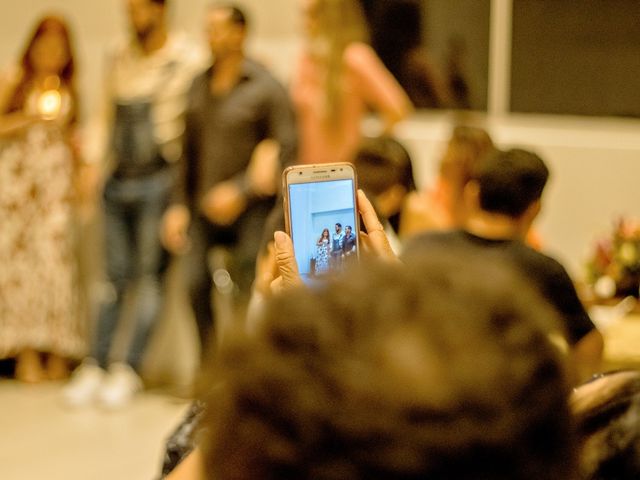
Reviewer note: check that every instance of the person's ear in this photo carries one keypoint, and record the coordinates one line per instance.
(532, 211)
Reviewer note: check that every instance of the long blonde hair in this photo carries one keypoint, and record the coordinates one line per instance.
(340, 23)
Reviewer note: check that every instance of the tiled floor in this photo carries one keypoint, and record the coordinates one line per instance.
(41, 439)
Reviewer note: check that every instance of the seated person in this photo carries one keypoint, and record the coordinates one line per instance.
(442, 207)
(502, 200)
(606, 410)
(390, 387)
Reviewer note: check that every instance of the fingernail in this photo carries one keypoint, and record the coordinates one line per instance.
(280, 238)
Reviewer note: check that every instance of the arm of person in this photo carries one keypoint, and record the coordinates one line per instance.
(98, 131)
(225, 202)
(14, 122)
(176, 219)
(175, 225)
(95, 141)
(586, 356)
(278, 150)
(586, 341)
(380, 89)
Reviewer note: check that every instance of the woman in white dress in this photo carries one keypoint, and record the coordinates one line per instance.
(323, 246)
(38, 105)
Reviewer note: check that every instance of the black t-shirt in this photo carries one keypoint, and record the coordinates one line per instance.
(547, 274)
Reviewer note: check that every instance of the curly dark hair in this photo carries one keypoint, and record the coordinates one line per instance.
(433, 370)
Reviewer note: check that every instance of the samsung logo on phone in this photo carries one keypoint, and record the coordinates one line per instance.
(321, 176)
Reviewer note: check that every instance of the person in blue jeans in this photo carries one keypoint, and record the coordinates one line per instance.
(142, 121)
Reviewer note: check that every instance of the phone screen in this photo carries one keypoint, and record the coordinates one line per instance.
(323, 226)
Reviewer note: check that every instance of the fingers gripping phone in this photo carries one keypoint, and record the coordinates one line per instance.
(321, 217)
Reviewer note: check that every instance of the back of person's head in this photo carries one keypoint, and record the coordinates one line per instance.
(510, 181)
(467, 145)
(237, 16)
(385, 173)
(607, 411)
(382, 162)
(395, 372)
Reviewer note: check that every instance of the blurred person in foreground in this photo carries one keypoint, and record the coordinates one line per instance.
(39, 317)
(391, 371)
(337, 80)
(502, 199)
(240, 132)
(138, 133)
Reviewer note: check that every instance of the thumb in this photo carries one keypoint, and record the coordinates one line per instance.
(286, 260)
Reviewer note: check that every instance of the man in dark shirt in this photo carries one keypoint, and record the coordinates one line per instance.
(502, 201)
(234, 107)
(349, 243)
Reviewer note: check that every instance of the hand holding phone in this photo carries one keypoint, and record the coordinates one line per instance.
(375, 243)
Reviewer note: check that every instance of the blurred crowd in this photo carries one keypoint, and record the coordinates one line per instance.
(449, 351)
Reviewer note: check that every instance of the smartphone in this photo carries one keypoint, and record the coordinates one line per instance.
(321, 217)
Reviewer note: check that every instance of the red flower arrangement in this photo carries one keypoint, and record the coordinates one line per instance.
(614, 267)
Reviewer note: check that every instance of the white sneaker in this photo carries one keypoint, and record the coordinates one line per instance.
(83, 385)
(121, 384)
